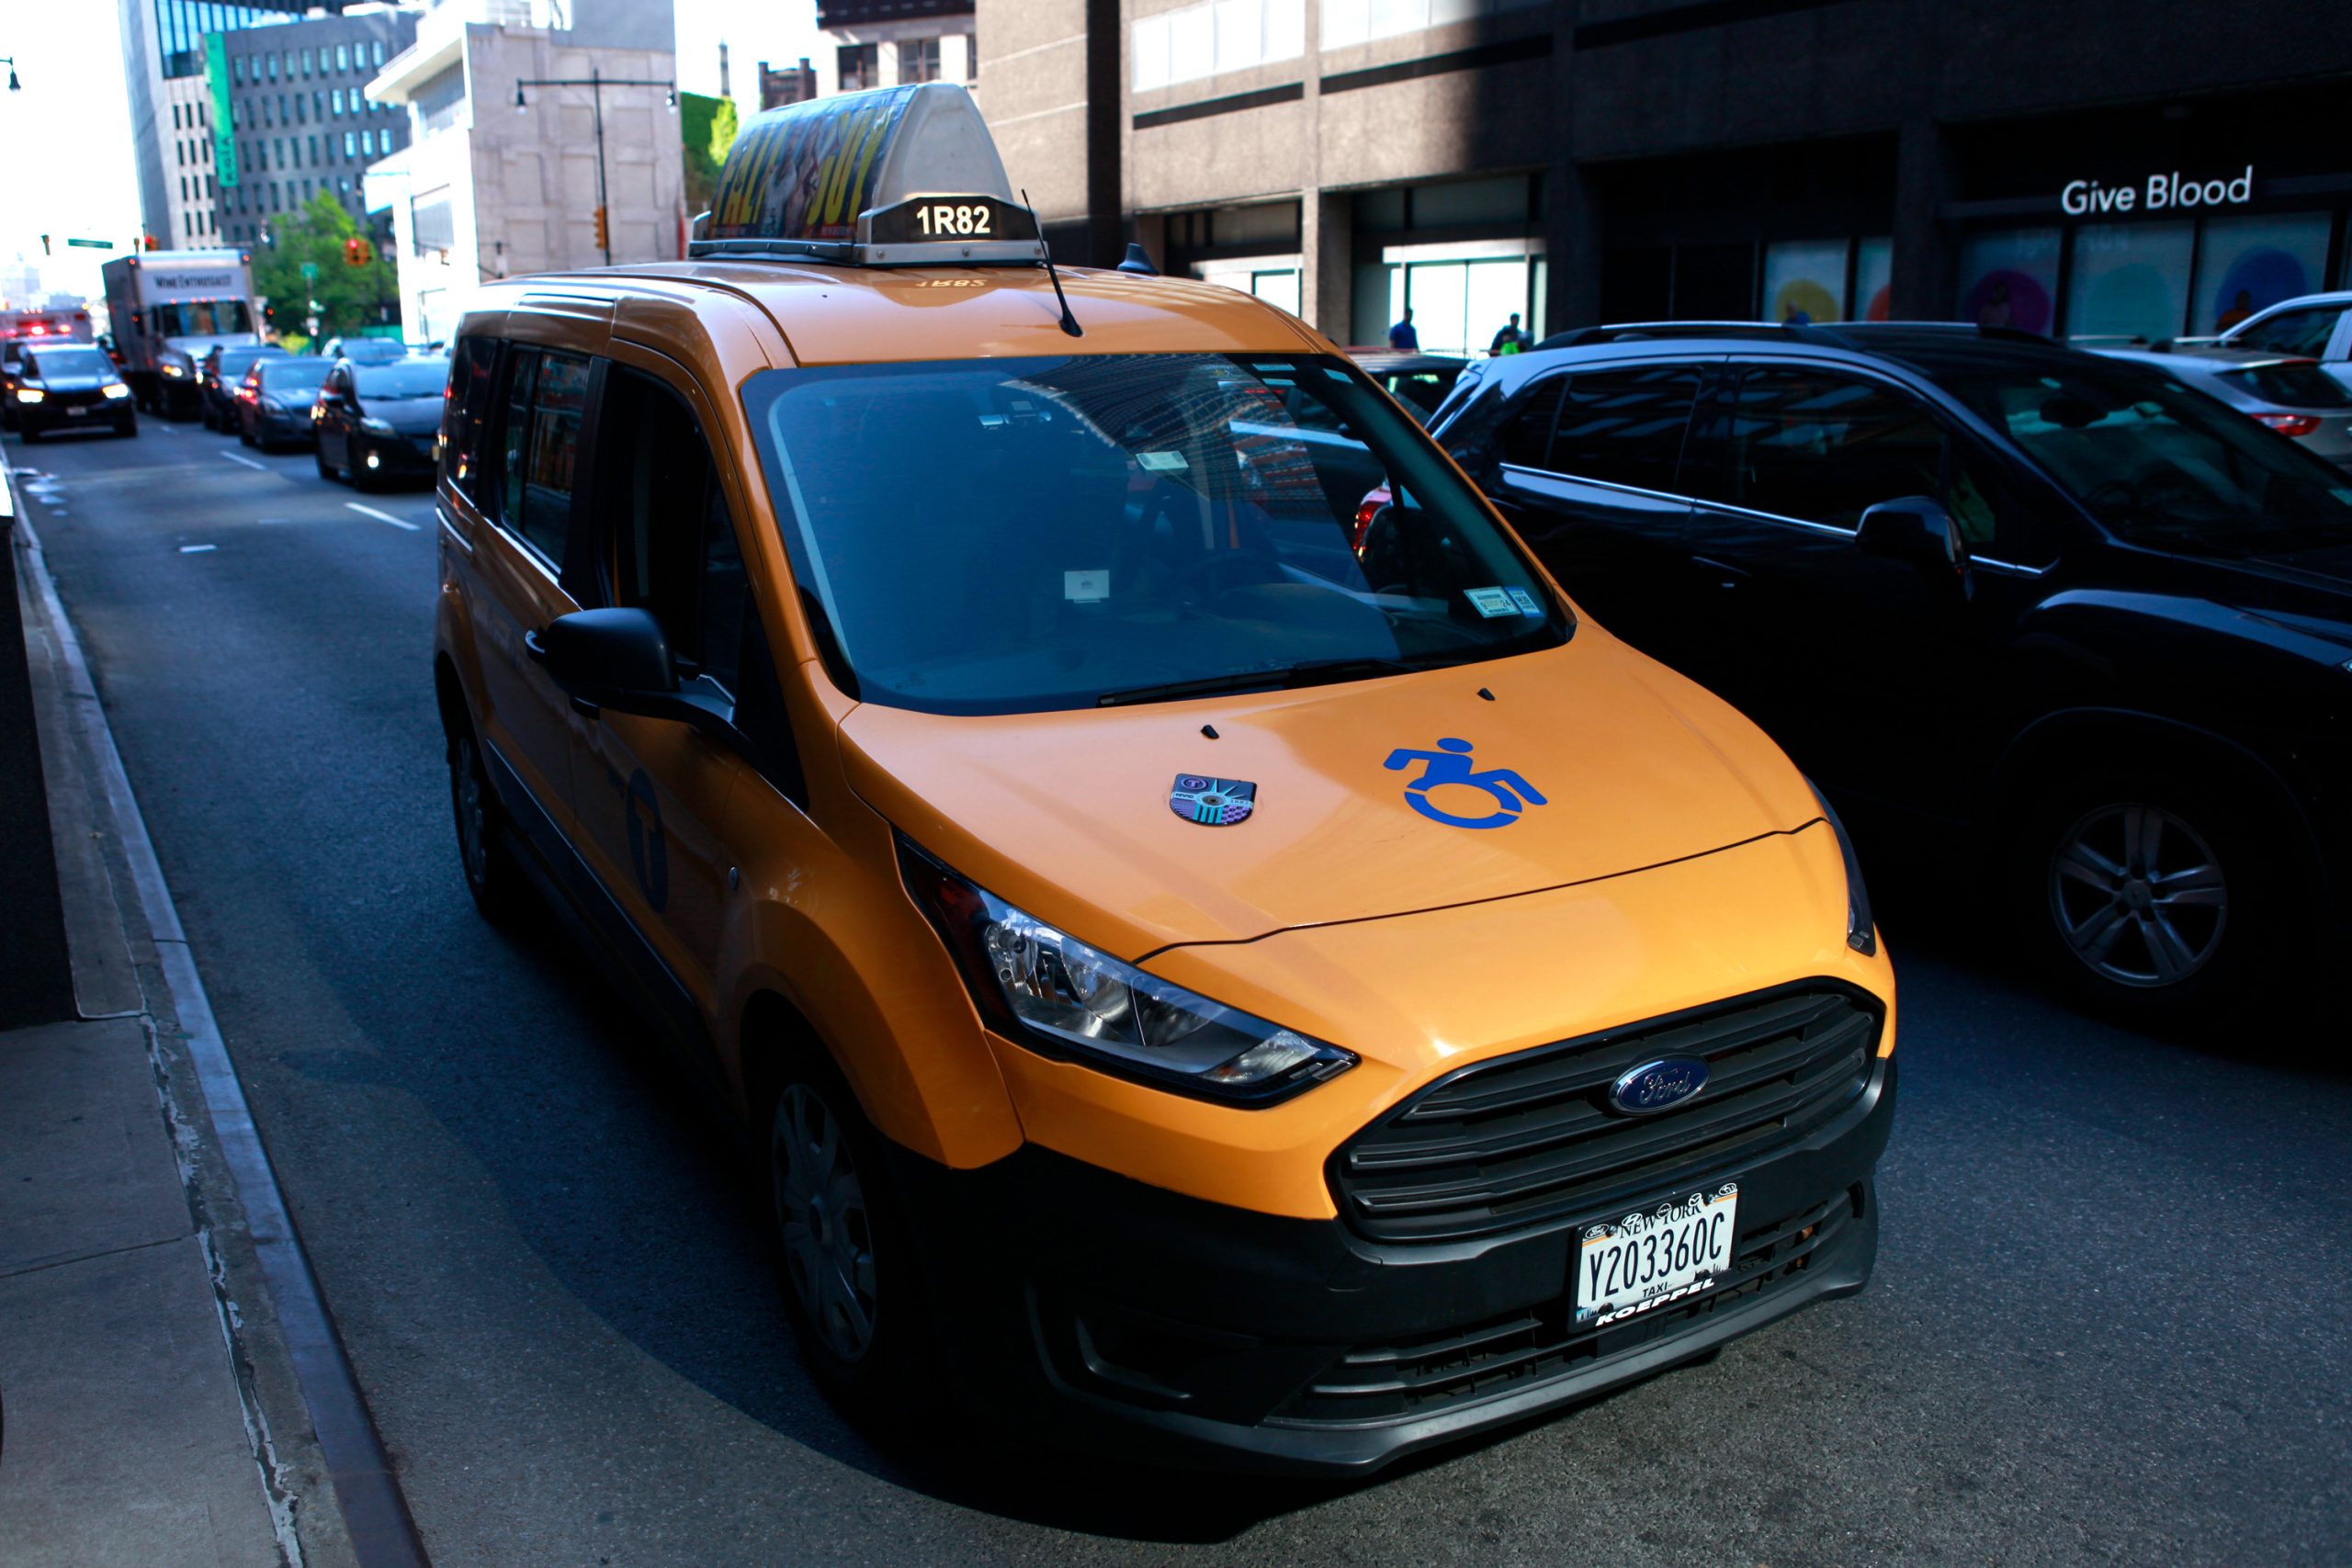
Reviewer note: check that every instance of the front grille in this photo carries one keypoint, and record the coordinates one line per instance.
(1530, 1139)
(1421, 1376)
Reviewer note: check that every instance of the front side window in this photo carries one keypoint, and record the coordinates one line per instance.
(1625, 427)
(1110, 529)
(1525, 438)
(2158, 464)
(546, 399)
(2304, 333)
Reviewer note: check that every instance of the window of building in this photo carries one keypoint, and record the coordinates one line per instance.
(547, 398)
(334, 102)
(1216, 36)
(860, 67)
(343, 57)
(237, 70)
(919, 60)
(175, 116)
(350, 144)
(313, 149)
(310, 59)
(376, 52)
(1359, 21)
(271, 60)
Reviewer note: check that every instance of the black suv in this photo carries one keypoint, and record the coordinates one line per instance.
(2089, 627)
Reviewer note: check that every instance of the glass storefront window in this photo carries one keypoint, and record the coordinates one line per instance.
(2249, 264)
(1804, 279)
(2130, 280)
(2009, 278)
(1873, 279)
(1276, 288)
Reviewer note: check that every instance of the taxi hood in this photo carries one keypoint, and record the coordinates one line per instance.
(1587, 760)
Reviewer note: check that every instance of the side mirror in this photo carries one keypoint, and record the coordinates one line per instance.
(619, 659)
(1916, 530)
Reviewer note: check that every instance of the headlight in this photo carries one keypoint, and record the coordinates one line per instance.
(1862, 931)
(1049, 990)
(170, 369)
(116, 390)
(375, 426)
(30, 394)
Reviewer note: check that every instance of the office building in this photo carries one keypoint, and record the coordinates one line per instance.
(499, 178)
(2100, 169)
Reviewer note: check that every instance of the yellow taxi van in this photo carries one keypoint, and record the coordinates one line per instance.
(1218, 956)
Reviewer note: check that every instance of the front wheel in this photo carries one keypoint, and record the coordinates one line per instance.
(2151, 900)
(854, 1293)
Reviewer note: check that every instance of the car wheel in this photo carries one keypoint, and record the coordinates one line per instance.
(851, 1287)
(31, 433)
(483, 855)
(244, 435)
(126, 425)
(2151, 900)
(326, 469)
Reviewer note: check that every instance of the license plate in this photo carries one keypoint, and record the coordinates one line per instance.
(1677, 1250)
(75, 413)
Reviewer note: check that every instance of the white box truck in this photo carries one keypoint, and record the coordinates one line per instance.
(169, 309)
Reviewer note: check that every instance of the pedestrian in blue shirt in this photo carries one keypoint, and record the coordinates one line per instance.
(1403, 338)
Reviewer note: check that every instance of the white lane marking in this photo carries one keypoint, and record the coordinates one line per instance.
(379, 516)
(197, 549)
(261, 467)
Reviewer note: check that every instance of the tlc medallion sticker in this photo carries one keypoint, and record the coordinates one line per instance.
(1213, 803)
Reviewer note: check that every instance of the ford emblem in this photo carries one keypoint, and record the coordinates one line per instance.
(1657, 1086)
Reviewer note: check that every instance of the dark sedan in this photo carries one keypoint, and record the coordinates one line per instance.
(380, 422)
(217, 376)
(2087, 628)
(69, 387)
(274, 402)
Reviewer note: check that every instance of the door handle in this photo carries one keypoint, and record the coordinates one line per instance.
(1725, 574)
(536, 645)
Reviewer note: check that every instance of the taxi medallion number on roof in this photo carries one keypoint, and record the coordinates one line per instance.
(818, 617)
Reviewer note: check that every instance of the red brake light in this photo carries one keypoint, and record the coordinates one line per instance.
(1366, 510)
(2291, 423)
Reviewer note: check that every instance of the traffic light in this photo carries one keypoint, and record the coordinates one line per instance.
(603, 234)
(357, 252)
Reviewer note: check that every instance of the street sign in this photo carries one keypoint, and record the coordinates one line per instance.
(94, 244)
(310, 272)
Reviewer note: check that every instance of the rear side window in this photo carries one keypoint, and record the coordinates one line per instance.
(1625, 427)
(465, 417)
(2304, 333)
(2295, 386)
(1526, 437)
(545, 401)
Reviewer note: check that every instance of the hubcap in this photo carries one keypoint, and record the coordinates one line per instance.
(821, 1206)
(465, 782)
(2138, 895)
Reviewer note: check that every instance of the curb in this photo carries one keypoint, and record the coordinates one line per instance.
(306, 1419)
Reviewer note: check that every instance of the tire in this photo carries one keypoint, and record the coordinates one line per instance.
(325, 470)
(2154, 900)
(484, 857)
(854, 1289)
(31, 433)
(125, 426)
(244, 435)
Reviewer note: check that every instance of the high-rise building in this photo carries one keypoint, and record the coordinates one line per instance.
(171, 105)
(301, 116)
(501, 177)
(2102, 169)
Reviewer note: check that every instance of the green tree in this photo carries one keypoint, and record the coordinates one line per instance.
(707, 126)
(349, 296)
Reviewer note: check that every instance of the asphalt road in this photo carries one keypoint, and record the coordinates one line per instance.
(2112, 1318)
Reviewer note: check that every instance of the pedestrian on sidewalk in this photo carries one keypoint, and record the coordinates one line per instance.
(1509, 340)
(1402, 337)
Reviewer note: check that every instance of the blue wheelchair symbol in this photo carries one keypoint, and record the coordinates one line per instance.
(1450, 763)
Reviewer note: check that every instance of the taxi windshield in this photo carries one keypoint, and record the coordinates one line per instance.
(1011, 535)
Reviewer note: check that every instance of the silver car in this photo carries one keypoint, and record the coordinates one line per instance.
(2294, 395)
(2315, 326)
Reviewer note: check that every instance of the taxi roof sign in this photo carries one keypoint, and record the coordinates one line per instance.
(899, 177)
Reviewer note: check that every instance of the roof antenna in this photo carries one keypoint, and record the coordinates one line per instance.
(1069, 322)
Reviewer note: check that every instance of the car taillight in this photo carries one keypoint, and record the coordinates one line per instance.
(2291, 423)
(1366, 510)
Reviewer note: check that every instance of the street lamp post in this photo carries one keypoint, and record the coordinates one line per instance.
(10, 61)
(595, 82)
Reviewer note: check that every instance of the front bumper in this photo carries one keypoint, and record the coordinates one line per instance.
(405, 456)
(1105, 1313)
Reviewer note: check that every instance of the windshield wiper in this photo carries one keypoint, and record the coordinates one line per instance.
(1313, 672)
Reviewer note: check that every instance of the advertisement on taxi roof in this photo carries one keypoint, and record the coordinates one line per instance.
(807, 173)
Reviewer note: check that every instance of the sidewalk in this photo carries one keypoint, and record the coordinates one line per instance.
(153, 1412)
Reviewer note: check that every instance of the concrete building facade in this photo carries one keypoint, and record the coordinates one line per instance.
(1590, 160)
(881, 43)
(486, 189)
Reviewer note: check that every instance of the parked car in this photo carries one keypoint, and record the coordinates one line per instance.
(2310, 326)
(379, 421)
(1419, 381)
(217, 376)
(274, 401)
(2090, 624)
(2293, 396)
(67, 387)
